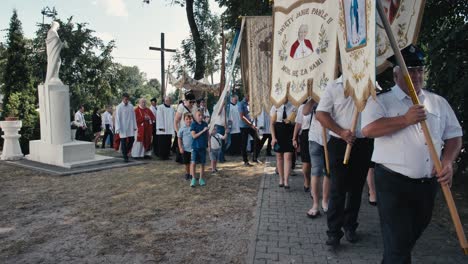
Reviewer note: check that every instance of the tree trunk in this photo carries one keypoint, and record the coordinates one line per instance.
(199, 51)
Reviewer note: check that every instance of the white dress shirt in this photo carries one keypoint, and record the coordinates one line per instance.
(304, 120)
(406, 151)
(339, 107)
(106, 120)
(79, 119)
(234, 117)
(290, 109)
(125, 120)
(165, 120)
(316, 131)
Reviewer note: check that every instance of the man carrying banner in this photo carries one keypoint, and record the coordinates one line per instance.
(334, 112)
(404, 172)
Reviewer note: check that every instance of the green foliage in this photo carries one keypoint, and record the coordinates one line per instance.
(444, 37)
(237, 8)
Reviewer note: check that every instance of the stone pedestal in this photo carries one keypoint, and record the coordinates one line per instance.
(56, 146)
(11, 145)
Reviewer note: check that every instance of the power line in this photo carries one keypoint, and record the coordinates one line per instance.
(131, 58)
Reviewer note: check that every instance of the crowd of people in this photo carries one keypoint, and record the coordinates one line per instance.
(388, 142)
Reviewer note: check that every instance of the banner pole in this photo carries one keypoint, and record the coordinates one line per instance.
(353, 129)
(435, 158)
(325, 150)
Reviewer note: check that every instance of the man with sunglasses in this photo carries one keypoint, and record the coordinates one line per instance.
(188, 106)
(405, 179)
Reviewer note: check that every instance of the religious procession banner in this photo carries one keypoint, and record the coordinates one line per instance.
(356, 38)
(304, 49)
(191, 84)
(256, 62)
(405, 18)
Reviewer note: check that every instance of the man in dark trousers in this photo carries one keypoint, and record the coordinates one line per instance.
(405, 179)
(334, 112)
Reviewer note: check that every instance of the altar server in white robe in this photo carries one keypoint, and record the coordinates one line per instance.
(125, 125)
(165, 127)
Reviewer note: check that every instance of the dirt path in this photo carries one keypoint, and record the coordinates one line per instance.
(143, 214)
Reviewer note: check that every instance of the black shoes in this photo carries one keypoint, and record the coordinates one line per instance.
(247, 164)
(333, 241)
(351, 236)
(306, 189)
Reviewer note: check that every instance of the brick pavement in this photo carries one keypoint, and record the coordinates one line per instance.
(284, 234)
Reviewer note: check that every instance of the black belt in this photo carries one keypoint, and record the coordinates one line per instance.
(405, 178)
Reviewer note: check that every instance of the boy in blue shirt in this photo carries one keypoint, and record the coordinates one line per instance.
(199, 130)
(185, 144)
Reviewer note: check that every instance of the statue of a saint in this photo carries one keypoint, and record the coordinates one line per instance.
(54, 46)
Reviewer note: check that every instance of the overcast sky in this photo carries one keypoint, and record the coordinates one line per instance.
(133, 25)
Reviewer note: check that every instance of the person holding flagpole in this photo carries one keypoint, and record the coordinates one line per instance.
(405, 179)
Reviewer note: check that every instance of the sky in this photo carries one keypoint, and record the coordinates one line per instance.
(133, 25)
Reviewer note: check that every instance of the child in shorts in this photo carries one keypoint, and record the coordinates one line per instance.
(199, 129)
(185, 144)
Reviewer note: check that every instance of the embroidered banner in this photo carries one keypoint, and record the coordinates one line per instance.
(405, 19)
(256, 61)
(304, 49)
(356, 38)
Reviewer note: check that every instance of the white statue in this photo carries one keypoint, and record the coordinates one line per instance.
(54, 46)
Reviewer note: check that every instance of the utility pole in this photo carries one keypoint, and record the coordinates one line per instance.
(162, 49)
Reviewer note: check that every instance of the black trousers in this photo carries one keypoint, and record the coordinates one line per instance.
(235, 147)
(175, 146)
(164, 144)
(262, 142)
(155, 141)
(80, 134)
(405, 210)
(347, 181)
(245, 132)
(126, 145)
(108, 132)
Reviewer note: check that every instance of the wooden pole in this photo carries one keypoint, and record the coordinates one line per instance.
(435, 158)
(325, 150)
(353, 129)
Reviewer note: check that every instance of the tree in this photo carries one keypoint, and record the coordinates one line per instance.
(444, 37)
(237, 8)
(19, 94)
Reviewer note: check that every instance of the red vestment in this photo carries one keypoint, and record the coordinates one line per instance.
(145, 126)
(295, 45)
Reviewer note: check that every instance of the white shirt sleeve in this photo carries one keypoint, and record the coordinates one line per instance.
(374, 111)
(452, 126)
(326, 100)
(299, 115)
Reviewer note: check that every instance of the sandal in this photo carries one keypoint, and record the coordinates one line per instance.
(314, 213)
(324, 208)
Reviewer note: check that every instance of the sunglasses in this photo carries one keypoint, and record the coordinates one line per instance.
(192, 101)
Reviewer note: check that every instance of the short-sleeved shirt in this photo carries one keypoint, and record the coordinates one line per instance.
(182, 109)
(290, 108)
(316, 132)
(243, 107)
(339, 107)
(304, 120)
(186, 136)
(215, 141)
(405, 151)
(202, 140)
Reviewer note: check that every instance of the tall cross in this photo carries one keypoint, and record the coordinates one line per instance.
(162, 49)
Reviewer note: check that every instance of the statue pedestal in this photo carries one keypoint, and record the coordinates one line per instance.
(11, 145)
(56, 146)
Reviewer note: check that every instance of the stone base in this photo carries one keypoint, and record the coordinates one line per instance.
(68, 155)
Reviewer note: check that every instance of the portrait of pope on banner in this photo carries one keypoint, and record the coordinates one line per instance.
(356, 23)
(302, 47)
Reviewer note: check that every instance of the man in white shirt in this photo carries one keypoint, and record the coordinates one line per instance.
(234, 127)
(165, 128)
(80, 123)
(335, 112)
(125, 125)
(107, 126)
(404, 172)
(154, 109)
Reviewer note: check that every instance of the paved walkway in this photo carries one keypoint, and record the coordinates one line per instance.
(284, 234)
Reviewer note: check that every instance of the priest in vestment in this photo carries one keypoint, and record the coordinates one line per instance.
(125, 125)
(145, 120)
(165, 128)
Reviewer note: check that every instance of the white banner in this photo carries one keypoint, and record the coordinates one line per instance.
(304, 49)
(405, 19)
(356, 37)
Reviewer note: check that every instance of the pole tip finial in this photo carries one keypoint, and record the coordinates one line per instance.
(466, 251)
